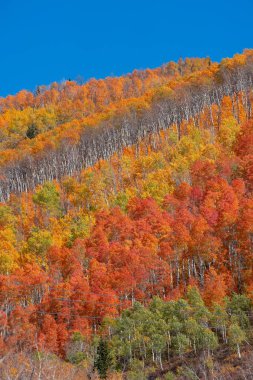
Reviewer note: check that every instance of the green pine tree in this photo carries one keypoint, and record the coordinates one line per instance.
(103, 360)
(32, 131)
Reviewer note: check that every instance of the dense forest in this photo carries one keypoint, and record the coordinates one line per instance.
(126, 226)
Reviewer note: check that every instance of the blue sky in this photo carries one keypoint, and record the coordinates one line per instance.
(51, 40)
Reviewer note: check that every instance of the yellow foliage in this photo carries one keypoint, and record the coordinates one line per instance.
(228, 132)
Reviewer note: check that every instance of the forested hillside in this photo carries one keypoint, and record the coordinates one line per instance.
(126, 226)
(80, 143)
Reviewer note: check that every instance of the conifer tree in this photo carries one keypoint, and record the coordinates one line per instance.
(103, 360)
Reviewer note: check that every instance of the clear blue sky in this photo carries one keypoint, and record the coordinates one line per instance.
(42, 41)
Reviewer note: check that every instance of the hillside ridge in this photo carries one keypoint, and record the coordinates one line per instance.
(114, 133)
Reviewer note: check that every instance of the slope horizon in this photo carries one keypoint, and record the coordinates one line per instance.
(84, 80)
(80, 79)
(46, 42)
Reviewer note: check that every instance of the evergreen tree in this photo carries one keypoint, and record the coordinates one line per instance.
(103, 360)
(32, 131)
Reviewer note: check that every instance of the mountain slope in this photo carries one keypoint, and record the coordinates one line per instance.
(82, 144)
(130, 250)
